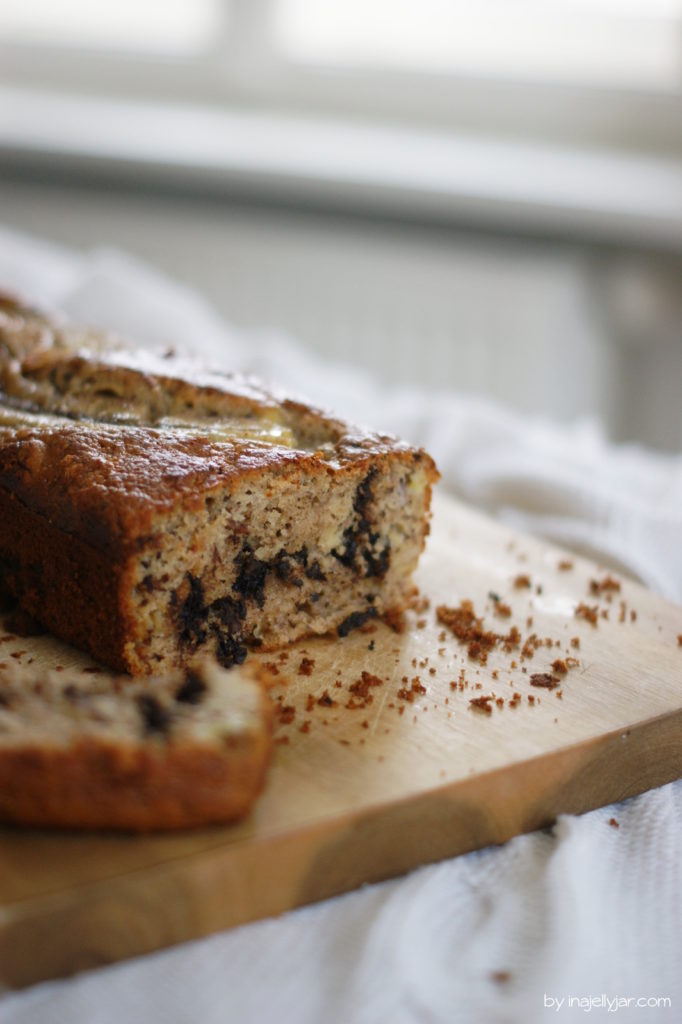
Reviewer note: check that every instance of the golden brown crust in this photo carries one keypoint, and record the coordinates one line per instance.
(91, 786)
(72, 588)
(107, 486)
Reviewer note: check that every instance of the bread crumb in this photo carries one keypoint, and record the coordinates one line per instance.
(545, 680)
(415, 690)
(587, 612)
(395, 620)
(468, 629)
(607, 585)
(360, 690)
(483, 703)
(287, 714)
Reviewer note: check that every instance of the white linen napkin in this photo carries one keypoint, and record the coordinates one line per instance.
(584, 911)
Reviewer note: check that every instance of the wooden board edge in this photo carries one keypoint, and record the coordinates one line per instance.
(222, 887)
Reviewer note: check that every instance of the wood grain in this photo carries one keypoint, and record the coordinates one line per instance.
(358, 795)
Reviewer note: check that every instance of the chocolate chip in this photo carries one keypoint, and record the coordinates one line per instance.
(314, 572)
(301, 556)
(230, 651)
(251, 574)
(283, 568)
(230, 613)
(155, 717)
(377, 565)
(346, 553)
(355, 620)
(191, 615)
(192, 690)
(360, 529)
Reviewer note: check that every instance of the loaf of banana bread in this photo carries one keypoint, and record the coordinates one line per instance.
(150, 510)
(118, 753)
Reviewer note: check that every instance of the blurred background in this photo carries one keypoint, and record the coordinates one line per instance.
(476, 196)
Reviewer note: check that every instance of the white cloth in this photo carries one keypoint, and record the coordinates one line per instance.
(584, 911)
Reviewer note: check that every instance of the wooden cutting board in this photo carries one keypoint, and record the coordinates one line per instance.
(413, 774)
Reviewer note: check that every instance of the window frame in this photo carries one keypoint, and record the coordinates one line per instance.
(242, 68)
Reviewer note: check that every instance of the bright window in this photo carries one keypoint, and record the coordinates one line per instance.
(592, 72)
(626, 42)
(142, 26)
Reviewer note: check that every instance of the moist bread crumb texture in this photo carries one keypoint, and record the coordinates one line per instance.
(152, 511)
(118, 753)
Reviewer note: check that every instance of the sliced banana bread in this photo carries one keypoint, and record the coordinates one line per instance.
(102, 752)
(151, 510)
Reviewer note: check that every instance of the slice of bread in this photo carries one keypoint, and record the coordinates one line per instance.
(151, 511)
(105, 752)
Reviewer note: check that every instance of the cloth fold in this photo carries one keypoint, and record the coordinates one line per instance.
(584, 911)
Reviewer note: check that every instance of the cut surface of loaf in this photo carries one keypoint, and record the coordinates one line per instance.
(118, 753)
(152, 511)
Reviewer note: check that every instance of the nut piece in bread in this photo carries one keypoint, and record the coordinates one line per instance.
(151, 511)
(117, 753)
